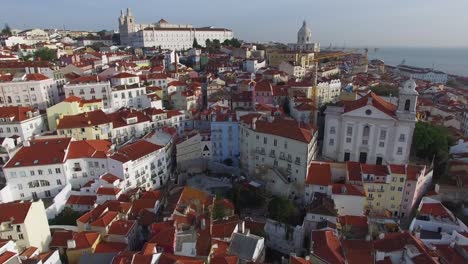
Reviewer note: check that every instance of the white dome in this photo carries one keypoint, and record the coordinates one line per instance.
(304, 35)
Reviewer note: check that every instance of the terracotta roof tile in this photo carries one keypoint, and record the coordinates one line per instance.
(121, 227)
(319, 174)
(81, 200)
(52, 152)
(135, 151)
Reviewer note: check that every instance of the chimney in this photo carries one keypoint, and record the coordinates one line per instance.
(240, 227)
(254, 120)
(203, 224)
(71, 243)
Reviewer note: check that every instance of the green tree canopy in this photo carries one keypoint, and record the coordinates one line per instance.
(195, 44)
(282, 210)
(67, 217)
(45, 54)
(6, 30)
(217, 213)
(431, 141)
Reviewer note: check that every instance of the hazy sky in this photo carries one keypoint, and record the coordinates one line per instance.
(351, 22)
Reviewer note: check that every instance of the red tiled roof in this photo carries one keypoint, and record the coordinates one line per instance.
(29, 252)
(377, 102)
(119, 117)
(6, 256)
(223, 229)
(52, 152)
(121, 227)
(354, 171)
(117, 206)
(19, 113)
(72, 99)
(346, 189)
(352, 220)
(358, 251)
(36, 77)
(286, 127)
(82, 200)
(108, 191)
(105, 219)
(83, 240)
(378, 170)
(177, 83)
(449, 255)
(135, 151)
(110, 247)
(109, 178)
(327, 246)
(88, 149)
(434, 209)
(319, 174)
(86, 79)
(124, 75)
(88, 119)
(263, 86)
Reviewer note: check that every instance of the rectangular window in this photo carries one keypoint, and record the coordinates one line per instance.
(399, 151)
(348, 140)
(383, 134)
(59, 182)
(57, 170)
(349, 131)
(402, 179)
(20, 236)
(402, 138)
(20, 186)
(331, 142)
(400, 189)
(32, 173)
(381, 144)
(332, 130)
(265, 140)
(275, 142)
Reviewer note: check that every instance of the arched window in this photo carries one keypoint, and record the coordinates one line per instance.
(407, 104)
(366, 131)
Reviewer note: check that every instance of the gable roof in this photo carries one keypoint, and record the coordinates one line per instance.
(327, 246)
(376, 101)
(52, 152)
(135, 151)
(285, 127)
(19, 113)
(14, 211)
(88, 119)
(88, 149)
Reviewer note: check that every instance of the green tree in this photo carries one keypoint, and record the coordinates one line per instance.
(45, 54)
(67, 217)
(217, 212)
(282, 210)
(195, 44)
(208, 43)
(102, 33)
(216, 44)
(6, 30)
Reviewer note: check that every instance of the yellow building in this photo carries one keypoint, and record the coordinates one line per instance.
(72, 105)
(88, 125)
(304, 59)
(26, 224)
(82, 243)
(384, 188)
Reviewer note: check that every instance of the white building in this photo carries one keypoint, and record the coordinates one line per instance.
(252, 65)
(42, 167)
(140, 164)
(128, 123)
(370, 129)
(24, 122)
(304, 40)
(225, 138)
(165, 35)
(89, 88)
(277, 144)
(327, 92)
(34, 89)
(424, 74)
(292, 69)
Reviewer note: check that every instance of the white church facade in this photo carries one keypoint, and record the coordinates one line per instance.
(370, 129)
(166, 35)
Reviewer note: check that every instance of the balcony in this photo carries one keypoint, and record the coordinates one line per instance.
(76, 168)
(297, 162)
(370, 198)
(272, 155)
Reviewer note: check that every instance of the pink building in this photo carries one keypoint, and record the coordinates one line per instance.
(262, 93)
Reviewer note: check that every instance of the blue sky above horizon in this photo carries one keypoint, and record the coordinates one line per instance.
(373, 23)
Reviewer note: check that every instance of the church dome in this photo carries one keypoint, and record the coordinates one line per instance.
(304, 35)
